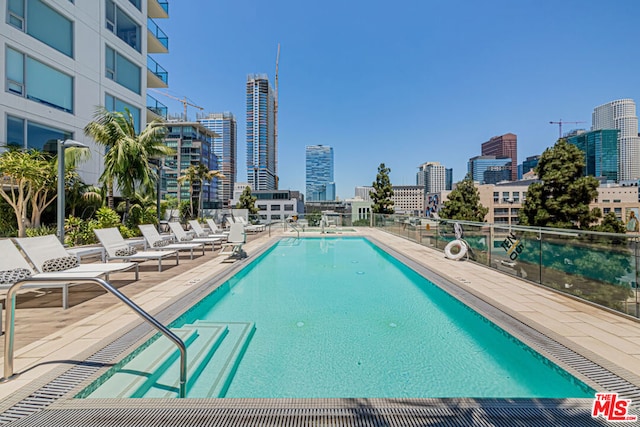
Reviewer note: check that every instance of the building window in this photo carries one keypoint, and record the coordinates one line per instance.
(606, 210)
(616, 200)
(42, 23)
(516, 197)
(112, 103)
(262, 207)
(275, 208)
(27, 134)
(122, 25)
(136, 3)
(288, 207)
(122, 71)
(275, 217)
(45, 85)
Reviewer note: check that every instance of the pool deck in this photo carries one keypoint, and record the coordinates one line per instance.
(49, 339)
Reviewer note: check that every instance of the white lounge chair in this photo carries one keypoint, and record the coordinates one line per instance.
(47, 254)
(237, 238)
(182, 237)
(156, 242)
(214, 227)
(200, 232)
(14, 267)
(249, 227)
(118, 248)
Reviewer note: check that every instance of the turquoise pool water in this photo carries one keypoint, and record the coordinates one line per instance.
(339, 317)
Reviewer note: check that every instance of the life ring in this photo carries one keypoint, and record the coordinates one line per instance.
(462, 249)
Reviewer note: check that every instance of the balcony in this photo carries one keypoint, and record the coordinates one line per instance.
(157, 40)
(157, 108)
(156, 75)
(158, 8)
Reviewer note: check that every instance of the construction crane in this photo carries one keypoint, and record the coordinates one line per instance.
(560, 123)
(275, 113)
(183, 100)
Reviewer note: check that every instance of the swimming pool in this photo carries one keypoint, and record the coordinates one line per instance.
(337, 317)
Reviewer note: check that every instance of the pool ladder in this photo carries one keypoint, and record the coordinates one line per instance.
(10, 316)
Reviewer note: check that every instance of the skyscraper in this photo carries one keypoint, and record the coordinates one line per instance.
(489, 169)
(262, 171)
(225, 148)
(62, 58)
(600, 148)
(504, 146)
(319, 173)
(621, 115)
(432, 176)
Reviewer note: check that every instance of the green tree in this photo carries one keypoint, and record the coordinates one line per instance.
(197, 174)
(126, 161)
(382, 192)
(562, 197)
(464, 203)
(610, 224)
(22, 175)
(247, 201)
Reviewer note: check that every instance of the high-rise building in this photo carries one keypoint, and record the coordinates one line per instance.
(621, 115)
(192, 144)
(320, 185)
(504, 146)
(600, 148)
(225, 148)
(448, 179)
(529, 164)
(262, 171)
(363, 193)
(487, 169)
(432, 176)
(62, 58)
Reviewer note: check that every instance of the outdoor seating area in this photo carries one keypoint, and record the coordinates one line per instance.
(56, 267)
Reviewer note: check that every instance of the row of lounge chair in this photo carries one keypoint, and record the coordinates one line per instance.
(46, 258)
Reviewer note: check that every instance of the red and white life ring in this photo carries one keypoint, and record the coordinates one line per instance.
(461, 252)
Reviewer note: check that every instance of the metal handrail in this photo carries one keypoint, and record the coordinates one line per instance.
(295, 229)
(10, 316)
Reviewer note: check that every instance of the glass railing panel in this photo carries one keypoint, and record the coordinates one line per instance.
(597, 267)
(156, 69)
(158, 33)
(157, 107)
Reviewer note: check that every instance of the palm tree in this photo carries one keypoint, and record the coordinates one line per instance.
(126, 161)
(198, 174)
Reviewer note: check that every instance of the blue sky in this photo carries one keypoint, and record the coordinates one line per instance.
(404, 82)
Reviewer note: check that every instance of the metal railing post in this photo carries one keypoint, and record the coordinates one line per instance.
(10, 318)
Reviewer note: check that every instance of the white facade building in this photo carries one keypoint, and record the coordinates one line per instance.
(621, 115)
(408, 199)
(61, 59)
(431, 175)
(363, 193)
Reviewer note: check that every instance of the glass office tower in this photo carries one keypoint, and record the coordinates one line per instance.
(319, 174)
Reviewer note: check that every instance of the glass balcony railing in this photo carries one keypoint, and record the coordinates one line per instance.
(601, 268)
(158, 33)
(157, 70)
(164, 4)
(157, 107)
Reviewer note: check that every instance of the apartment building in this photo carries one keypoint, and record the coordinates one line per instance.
(63, 58)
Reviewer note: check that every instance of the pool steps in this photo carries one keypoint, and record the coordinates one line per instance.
(213, 352)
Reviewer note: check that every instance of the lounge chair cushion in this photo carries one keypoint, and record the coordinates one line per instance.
(60, 264)
(126, 251)
(8, 277)
(161, 243)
